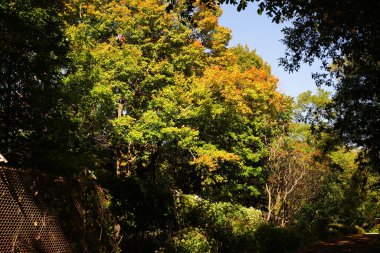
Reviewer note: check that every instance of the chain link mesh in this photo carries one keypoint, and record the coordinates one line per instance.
(40, 213)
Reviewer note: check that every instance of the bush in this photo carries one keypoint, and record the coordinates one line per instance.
(190, 240)
(336, 229)
(231, 226)
(271, 239)
(375, 229)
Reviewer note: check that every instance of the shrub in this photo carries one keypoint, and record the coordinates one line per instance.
(190, 240)
(375, 229)
(336, 229)
(271, 239)
(232, 226)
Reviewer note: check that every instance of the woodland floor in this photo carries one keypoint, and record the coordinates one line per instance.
(365, 243)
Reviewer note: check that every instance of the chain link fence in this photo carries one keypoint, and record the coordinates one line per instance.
(41, 213)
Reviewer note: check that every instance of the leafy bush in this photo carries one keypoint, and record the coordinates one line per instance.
(335, 229)
(232, 226)
(375, 229)
(270, 239)
(190, 240)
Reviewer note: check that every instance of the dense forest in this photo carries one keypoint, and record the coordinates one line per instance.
(195, 146)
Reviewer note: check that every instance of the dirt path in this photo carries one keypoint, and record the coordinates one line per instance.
(368, 243)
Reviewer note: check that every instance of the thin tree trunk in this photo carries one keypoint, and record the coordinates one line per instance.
(118, 159)
(269, 203)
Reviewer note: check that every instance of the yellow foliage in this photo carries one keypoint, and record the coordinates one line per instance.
(211, 157)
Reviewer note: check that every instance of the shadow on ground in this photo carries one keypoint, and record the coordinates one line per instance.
(364, 243)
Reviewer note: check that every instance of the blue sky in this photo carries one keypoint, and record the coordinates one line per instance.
(259, 33)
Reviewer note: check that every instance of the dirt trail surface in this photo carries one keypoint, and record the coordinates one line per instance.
(368, 243)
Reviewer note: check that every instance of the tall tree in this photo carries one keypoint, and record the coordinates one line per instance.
(345, 36)
(32, 52)
(189, 106)
(123, 53)
(294, 175)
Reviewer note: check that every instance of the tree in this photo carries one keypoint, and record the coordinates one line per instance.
(235, 114)
(294, 177)
(345, 188)
(312, 109)
(32, 53)
(345, 37)
(125, 60)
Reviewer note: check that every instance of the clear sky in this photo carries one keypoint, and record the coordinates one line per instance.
(259, 33)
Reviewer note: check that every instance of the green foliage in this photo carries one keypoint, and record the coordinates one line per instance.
(344, 36)
(231, 226)
(190, 240)
(336, 229)
(347, 197)
(312, 108)
(132, 60)
(189, 109)
(248, 59)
